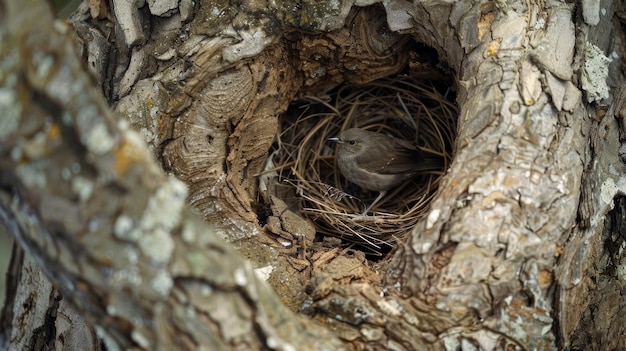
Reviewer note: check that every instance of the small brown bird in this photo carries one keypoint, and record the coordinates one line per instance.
(378, 162)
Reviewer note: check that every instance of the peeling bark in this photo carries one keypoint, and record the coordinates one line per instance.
(519, 250)
(85, 198)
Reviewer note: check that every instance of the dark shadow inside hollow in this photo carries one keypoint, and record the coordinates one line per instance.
(308, 180)
(416, 105)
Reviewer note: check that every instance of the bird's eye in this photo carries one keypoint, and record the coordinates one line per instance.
(352, 142)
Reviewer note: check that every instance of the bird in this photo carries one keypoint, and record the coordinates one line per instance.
(379, 162)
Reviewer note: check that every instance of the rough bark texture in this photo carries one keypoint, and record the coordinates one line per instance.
(87, 201)
(48, 321)
(517, 252)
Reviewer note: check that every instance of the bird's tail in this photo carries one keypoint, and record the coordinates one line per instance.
(432, 162)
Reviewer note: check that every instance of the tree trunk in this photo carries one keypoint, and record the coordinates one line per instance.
(521, 248)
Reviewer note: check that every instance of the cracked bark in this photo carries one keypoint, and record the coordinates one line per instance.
(506, 258)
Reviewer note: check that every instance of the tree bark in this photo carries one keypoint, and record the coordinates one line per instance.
(85, 198)
(519, 249)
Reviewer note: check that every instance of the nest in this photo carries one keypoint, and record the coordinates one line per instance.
(308, 176)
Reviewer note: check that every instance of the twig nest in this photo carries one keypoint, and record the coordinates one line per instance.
(309, 178)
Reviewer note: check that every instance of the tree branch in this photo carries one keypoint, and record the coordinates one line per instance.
(87, 201)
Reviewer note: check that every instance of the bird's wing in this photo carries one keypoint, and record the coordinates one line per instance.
(406, 158)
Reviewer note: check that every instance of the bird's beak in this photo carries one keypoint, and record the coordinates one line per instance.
(335, 139)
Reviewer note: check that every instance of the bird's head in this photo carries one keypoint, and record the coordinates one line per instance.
(351, 141)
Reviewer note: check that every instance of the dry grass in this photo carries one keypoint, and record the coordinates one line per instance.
(305, 161)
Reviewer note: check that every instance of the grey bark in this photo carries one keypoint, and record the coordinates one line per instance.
(517, 252)
(84, 197)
